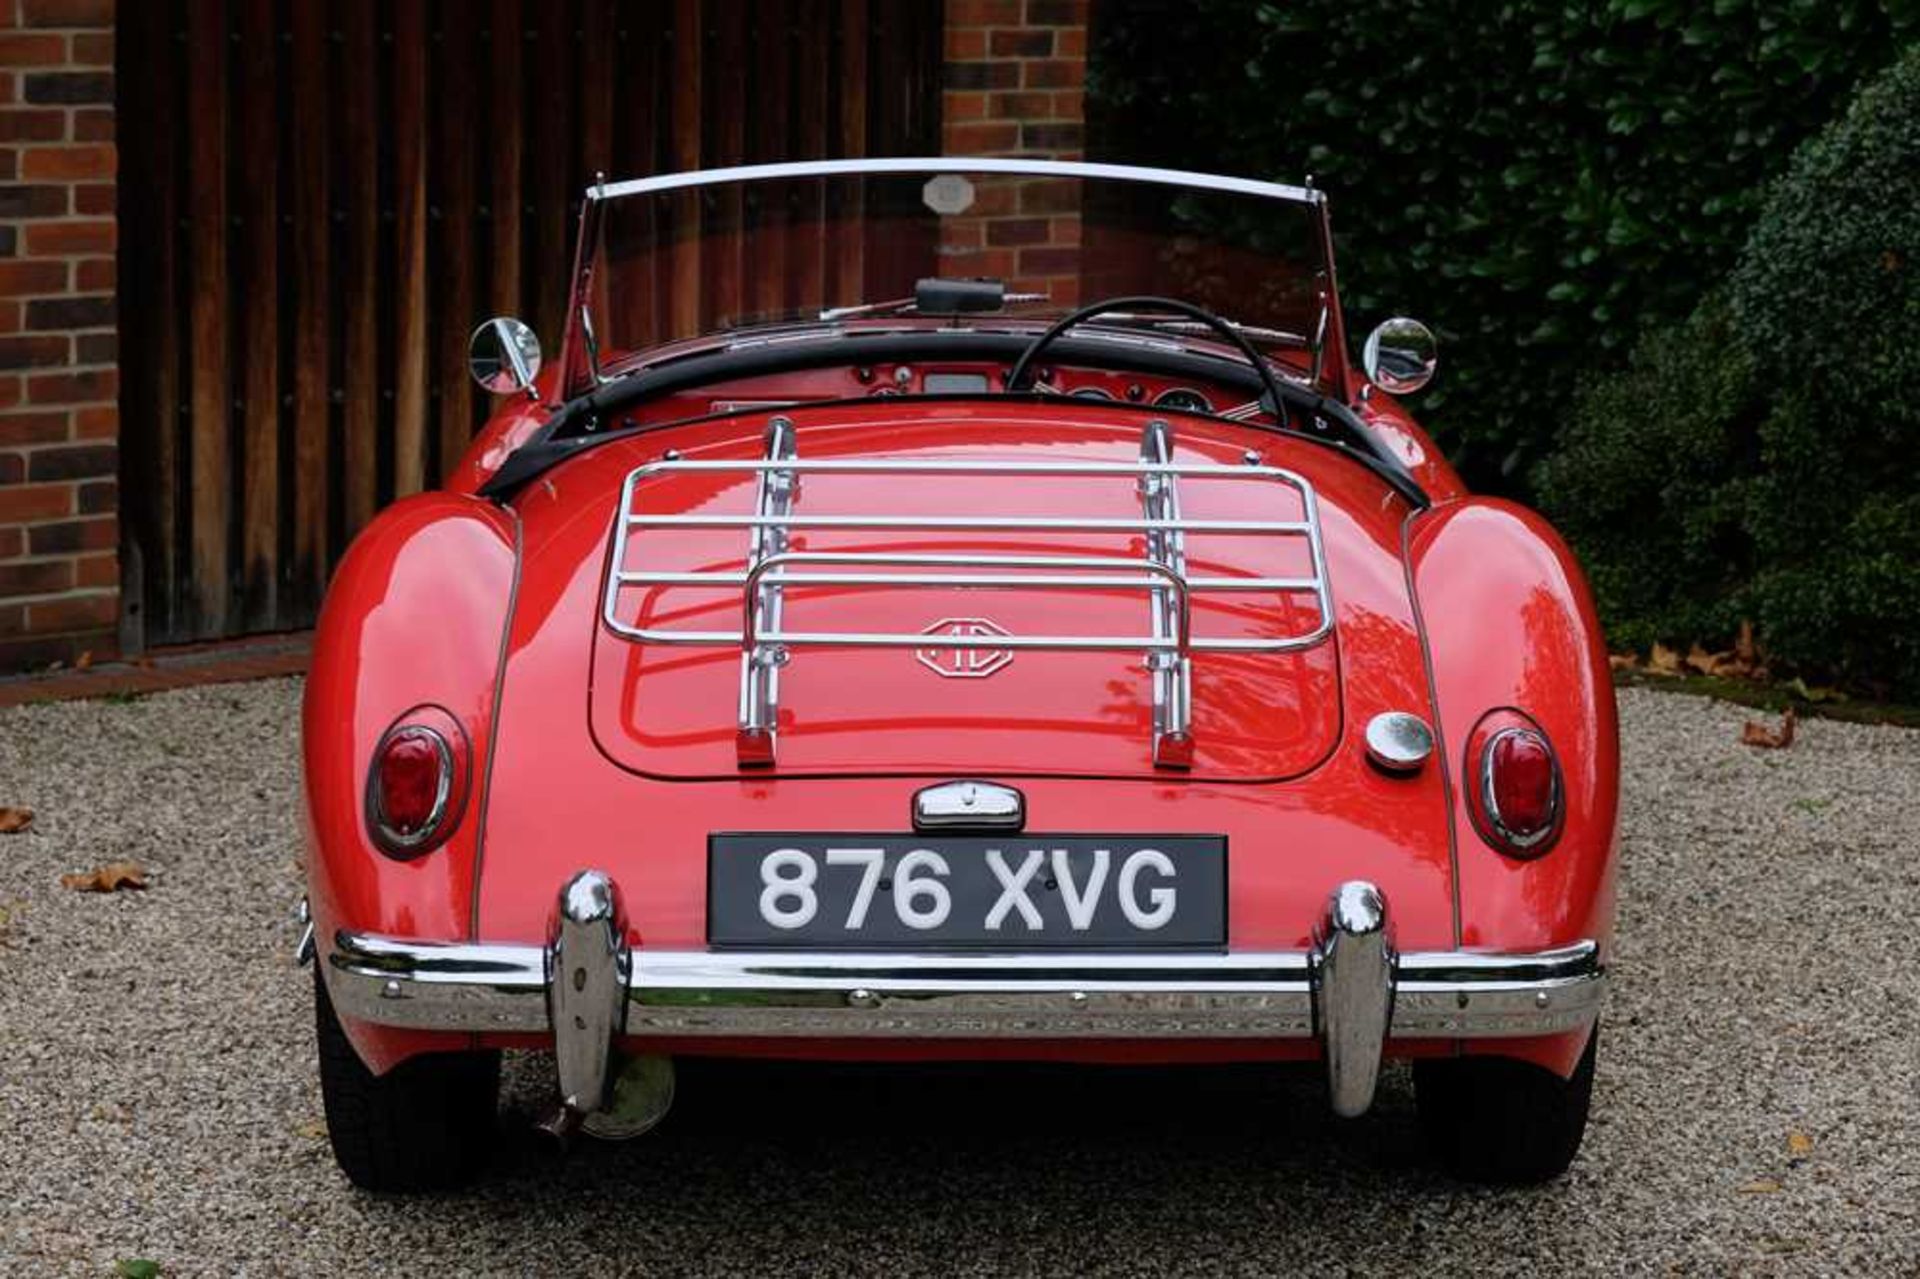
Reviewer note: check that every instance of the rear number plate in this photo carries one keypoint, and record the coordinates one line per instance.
(971, 892)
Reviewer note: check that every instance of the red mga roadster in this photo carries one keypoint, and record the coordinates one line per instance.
(955, 609)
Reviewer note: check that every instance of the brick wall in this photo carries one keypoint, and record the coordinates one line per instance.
(59, 415)
(1016, 79)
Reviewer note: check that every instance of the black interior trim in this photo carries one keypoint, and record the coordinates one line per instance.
(583, 423)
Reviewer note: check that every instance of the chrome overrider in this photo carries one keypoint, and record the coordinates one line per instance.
(587, 988)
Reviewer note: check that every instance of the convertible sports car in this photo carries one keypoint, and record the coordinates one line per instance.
(955, 609)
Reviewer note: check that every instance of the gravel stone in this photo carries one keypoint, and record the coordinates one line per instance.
(158, 1088)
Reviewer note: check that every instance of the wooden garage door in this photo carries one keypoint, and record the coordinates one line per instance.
(320, 198)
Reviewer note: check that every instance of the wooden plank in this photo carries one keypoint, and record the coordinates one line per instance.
(359, 200)
(597, 47)
(807, 256)
(455, 276)
(208, 311)
(552, 188)
(850, 138)
(312, 226)
(408, 129)
(505, 147)
(260, 429)
(639, 95)
(769, 138)
(724, 142)
(152, 261)
(682, 305)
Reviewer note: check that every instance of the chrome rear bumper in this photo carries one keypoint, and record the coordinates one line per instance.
(1350, 990)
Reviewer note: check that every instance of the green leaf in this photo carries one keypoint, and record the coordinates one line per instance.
(136, 1268)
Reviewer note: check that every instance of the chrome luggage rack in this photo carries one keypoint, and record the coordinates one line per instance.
(769, 566)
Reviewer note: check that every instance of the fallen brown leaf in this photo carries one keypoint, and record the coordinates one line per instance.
(110, 878)
(1663, 661)
(84, 661)
(1701, 661)
(1799, 1145)
(1623, 661)
(1743, 646)
(1761, 1186)
(1755, 734)
(14, 820)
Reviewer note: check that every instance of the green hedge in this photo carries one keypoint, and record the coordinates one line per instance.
(1541, 182)
(1762, 460)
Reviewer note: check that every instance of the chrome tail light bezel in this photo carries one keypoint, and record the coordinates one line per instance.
(448, 739)
(1483, 803)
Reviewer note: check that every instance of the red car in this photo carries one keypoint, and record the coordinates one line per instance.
(955, 609)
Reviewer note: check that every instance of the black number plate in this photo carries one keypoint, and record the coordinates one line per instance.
(1025, 892)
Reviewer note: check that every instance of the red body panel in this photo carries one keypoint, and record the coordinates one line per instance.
(602, 760)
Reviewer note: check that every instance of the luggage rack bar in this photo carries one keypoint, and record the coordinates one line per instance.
(769, 566)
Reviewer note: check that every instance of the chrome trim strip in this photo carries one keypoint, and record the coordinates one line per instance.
(935, 165)
(1355, 1007)
(1241, 994)
(588, 971)
(759, 666)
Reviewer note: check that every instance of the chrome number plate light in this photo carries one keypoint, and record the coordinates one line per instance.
(1161, 572)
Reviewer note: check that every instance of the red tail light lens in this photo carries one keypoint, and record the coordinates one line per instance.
(1517, 800)
(415, 785)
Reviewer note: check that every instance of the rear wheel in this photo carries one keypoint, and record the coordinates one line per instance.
(423, 1125)
(1497, 1119)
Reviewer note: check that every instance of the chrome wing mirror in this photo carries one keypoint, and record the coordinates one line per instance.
(1400, 356)
(504, 356)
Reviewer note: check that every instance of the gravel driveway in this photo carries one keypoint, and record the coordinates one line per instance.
(157, 1077)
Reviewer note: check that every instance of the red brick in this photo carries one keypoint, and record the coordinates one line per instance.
(19, 279)
(962, 234)
(1020, 106)
(995, 263)
(95, 275)
(96, 571)
(93, 49)
(1021, 43)
(93, 124)
(1011, 231)
(75, 462)
(39, 428)
(13, 540)
(1071, 105)
(983, 13)
(957, 107)
(73, 535)
(96, 348)
(36, 577)
(1046, 259)
(11, 391)
(980, 139)
(98, 497)
(67, 13)
(94, 160)
(10, 166)
(980, 75)
(19, 200)
(94, 199)
(1049, 195)
(35, 502)
(30, 125)
(1054, 73)
(98, 422)
(70, 239)
(73, 388)
(1071, 43)
(36, 351)
(32, 50)
(10, 313)
(73, 613)
(13, 467)
(1053, 138)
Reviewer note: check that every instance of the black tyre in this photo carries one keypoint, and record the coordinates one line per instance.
(424, 1125)
(1499, 1120)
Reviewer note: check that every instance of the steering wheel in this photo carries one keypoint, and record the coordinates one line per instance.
(1018, 375)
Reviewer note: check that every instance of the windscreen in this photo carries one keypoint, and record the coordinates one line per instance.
(744, 254)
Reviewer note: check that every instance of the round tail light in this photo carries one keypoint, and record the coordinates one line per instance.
(1517, 800)
(416, 784)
